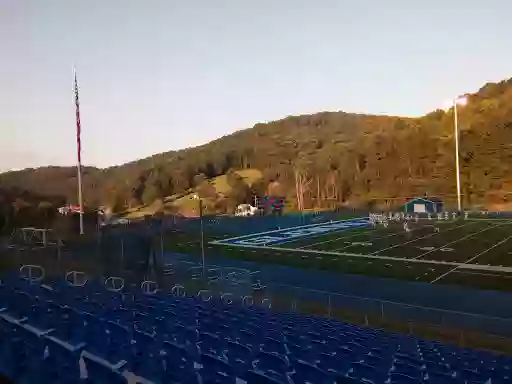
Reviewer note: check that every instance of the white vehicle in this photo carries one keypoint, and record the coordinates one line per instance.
(245, 210)
(119, 221)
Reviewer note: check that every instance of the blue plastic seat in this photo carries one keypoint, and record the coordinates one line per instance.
(34, 341)
(215, 370)
(211, 345)
(161, 338)
(348, 355)
(18, 307)
(271, 365)
(407, 370)
(99, 371)
(440, 378)
(185, 336)
(271, 345)
(472, 376)
(414, 360)
(98, 339)
(239, 357)
(438, 368)
(399, 378)
(62, 361)
(333, 363)
(211, 327)
(365, 372)
(252, 377)
(179, 366)
(304, 373)
(15, 358)
(376, 362)
(143, 322)
(296, 352)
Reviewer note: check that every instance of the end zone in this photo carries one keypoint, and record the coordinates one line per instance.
(280, 236)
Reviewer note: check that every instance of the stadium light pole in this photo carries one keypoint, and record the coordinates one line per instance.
(196, 197)
(460, 101)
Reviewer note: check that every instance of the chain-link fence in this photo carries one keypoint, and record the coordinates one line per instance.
(325, 303)
(125, 258)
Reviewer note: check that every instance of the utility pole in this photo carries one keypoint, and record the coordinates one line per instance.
(460, 101)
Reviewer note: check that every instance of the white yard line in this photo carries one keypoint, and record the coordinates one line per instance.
(483, 274)
(383, 237)
(390, 258)
(458, 240)
(336, 239)
(358, 234)
(492, 219)
(419, 238)
(473, 258)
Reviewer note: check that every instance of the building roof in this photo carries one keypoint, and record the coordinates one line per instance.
(431, 199)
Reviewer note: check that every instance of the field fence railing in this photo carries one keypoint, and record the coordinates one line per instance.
(331, 304)
(248, 286)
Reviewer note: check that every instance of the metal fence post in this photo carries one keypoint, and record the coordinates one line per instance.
(329, 307)
(59, 250)
(162, 244)
(122, 253)
(382, 309)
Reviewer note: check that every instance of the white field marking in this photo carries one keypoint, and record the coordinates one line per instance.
(494, 268)
(362, 243)
(393, 234)
(284, 230)
(400, 232)
(483, 274)
(459, 240)
(336, 239)
(419, 238)
(492, 219)
(473, 258)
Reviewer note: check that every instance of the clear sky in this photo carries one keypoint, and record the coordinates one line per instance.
(161, 75)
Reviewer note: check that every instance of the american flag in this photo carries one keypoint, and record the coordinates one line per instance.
(78, 129)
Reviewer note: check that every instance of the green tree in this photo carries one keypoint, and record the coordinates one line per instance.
(151, 193)
(46, 211)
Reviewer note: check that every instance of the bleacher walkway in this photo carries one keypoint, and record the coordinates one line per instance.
(59, 333)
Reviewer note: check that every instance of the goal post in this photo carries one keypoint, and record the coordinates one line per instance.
(31, 237)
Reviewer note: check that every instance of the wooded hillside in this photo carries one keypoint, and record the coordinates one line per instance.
(320, 160)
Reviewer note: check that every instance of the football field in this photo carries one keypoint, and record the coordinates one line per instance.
(474, 252)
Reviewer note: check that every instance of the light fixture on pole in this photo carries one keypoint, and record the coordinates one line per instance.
(460, 101)
(196, 197)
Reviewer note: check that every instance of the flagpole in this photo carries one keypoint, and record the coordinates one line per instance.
(456, 134)
(79, 173)
(79, 157)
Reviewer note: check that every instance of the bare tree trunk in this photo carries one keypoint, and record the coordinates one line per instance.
(297, 192)
(318, 198)
(301, 186)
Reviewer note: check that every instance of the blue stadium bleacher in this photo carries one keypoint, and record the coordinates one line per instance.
(86, 333)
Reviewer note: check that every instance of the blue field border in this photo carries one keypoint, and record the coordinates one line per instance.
(280, 236)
